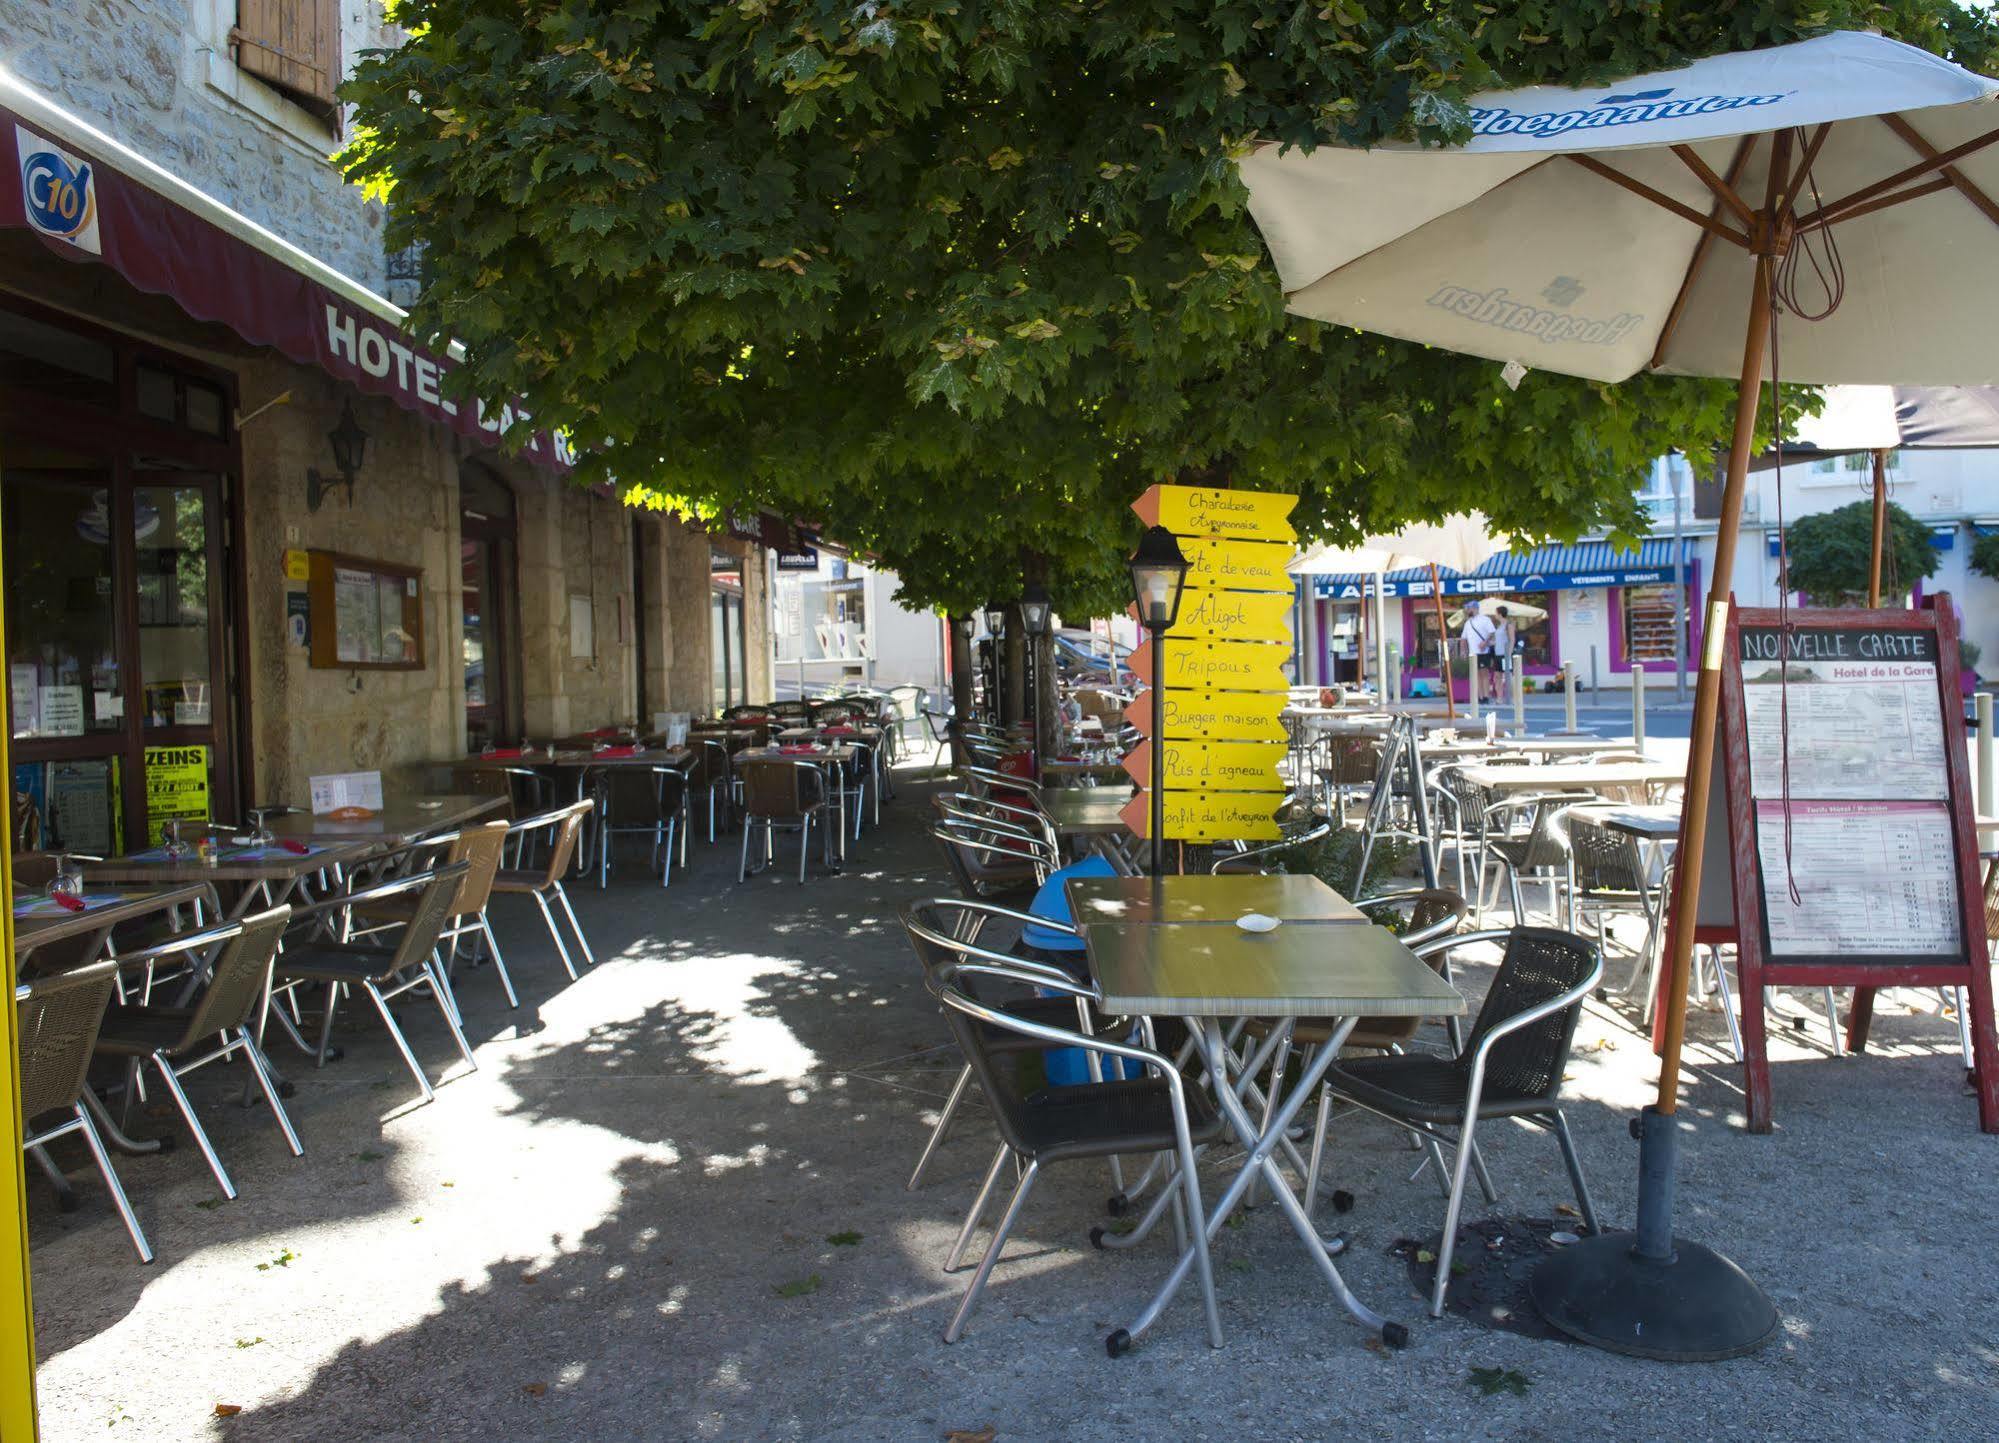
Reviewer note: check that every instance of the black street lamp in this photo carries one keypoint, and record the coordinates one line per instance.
(1158, 574)
(995, 617)
(1034, 614)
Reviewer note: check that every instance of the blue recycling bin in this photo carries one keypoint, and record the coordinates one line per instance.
(1067, 1066)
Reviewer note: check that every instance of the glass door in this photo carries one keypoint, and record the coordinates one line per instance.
(112, 498)
(487, 630)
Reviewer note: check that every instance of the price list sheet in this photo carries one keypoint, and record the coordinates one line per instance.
(1846, 730)
(1873, 878)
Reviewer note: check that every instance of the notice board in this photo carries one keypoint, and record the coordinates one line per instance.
(363, 614)
(1852, 853)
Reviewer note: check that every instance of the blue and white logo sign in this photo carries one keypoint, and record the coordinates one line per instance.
(58, 191)
(1639, 107)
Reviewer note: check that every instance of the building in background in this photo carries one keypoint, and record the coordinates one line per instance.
(1611, 611)
(836, 625)
(249, 538)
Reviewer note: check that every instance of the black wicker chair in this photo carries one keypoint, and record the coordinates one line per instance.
(1150, 1114)
(1510, 1066)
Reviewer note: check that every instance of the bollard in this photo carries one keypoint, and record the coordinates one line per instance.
(1638, 706)
(1394, 690)
(1518, 676)
(1471, 671)
(1568, 696)
(1594, 696)
(1983, 701)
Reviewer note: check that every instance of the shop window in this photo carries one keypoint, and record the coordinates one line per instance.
(1649, 614)
(1533, 632)
(293, 46)
(62, 652)
(179, 400)
(52, 361)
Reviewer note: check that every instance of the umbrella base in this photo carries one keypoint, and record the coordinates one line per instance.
(1693, 1307)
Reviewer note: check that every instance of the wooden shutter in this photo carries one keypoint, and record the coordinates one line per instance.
(294, 44)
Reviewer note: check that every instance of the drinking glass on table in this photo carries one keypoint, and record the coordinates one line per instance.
(68, 878)
(172, 847)
(260, 835)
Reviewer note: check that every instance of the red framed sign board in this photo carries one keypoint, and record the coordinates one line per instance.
(1852, 856)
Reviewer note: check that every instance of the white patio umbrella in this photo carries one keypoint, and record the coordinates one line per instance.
(1658, 224)
(1459, 542)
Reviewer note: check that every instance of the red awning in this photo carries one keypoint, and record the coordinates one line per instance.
(94, 201)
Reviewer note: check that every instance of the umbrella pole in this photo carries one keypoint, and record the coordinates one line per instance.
(1444, 646)
(1880, 528)
(1650, 1293)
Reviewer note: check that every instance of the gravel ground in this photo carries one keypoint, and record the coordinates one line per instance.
(622, 1224)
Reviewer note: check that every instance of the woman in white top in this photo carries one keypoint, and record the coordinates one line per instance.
(1480, 634)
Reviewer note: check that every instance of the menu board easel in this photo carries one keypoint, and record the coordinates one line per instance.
(1852, 856)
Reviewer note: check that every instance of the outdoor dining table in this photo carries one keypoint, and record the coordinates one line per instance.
(1080, 771)
(273, 872)
(1200, 897)
(1458, 748)
(1572, 776)
(40, 920)
(400, 821)
(1091, 817)
(827, 758)
(1211, 972)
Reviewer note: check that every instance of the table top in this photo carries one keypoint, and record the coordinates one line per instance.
(861, 730)
(1529, 745)
(644, 757)
(1566, 776)
(273, 863)
(1651, 823)
(403, 819)
(1198, 969)
(38, 921)
(1202, 898)
(818, 754)
(1079, 810)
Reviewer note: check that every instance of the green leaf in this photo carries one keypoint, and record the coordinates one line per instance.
(798, 1287)
(1491, 1381)
(843, 1240)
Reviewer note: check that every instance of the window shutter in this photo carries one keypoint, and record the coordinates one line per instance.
(293, 44)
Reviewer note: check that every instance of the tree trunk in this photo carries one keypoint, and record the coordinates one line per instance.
(961, 670)
(1013, 688)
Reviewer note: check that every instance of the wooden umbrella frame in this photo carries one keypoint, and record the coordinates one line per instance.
(1767, 232)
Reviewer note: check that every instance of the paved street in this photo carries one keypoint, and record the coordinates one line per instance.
(669, 1205)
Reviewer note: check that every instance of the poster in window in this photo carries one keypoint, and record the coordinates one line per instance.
(61, 711)
(81, 814)
(24, 692)
(176, 788)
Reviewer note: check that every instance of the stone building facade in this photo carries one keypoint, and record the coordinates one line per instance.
(593, 614)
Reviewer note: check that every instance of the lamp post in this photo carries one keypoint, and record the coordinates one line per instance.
(1034, 612)
(1158, 573)
(996, 683)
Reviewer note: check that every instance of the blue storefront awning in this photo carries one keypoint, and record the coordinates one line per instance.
(1546, 568)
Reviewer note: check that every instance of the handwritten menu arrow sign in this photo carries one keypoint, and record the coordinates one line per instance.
(1223, 663)
(1197, 715)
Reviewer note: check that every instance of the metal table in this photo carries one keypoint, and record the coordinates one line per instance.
(1203, 898)
(402, 819)
(1091, 816)
(827, 759)
(1572, 776)
(1206, 973)
(272, 872)
(39, 921)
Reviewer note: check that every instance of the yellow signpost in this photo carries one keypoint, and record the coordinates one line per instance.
(1210, 816)
(1191, 511)
(1214, 715)
(1218, 665)
(1232, 616)
(1222, 688)
(1212, 766)
(1237, 565)
(17, 1312)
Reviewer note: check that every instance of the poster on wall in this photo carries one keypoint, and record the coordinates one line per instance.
(82, 807)
(582, 628)
(357, 615)
(176, 788)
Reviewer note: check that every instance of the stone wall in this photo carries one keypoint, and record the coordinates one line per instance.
(157, 75)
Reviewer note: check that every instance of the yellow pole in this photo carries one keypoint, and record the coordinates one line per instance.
(17, 1310)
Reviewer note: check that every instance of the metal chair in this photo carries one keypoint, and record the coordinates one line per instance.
(564, 825)
(1251, 860)
(1510, 1066)
(1542, 847)
(1607, 873)
(993, 862)
(58, 1015)
(481, 847)
(218, 1026)
(714, 775)
(963, 921)
(1149, 1114)
(658, 800)
(382, 973)
(783, 792)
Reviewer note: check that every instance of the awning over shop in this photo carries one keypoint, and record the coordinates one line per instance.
(95, 201)
(1546, 568)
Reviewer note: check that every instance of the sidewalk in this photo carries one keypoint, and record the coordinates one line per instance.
(670, 1205)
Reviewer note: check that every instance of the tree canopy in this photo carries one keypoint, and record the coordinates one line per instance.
(957, 279)
(1828, 555)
